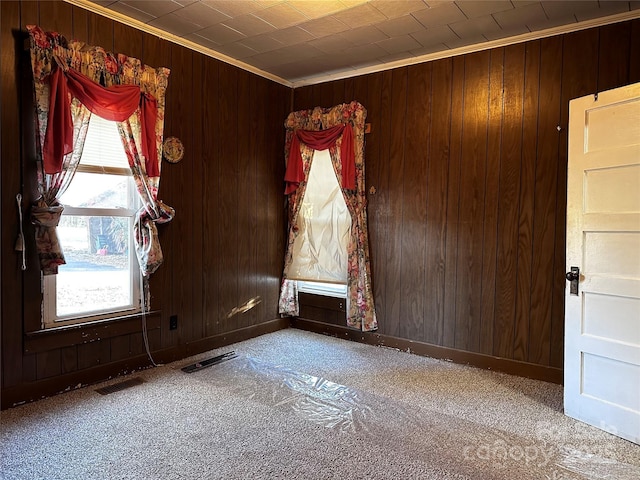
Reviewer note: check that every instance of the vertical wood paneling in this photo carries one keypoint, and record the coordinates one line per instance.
(492, 195)
(437, 177)
(48, 364)
(453, 202)
(613, 63)
(303, 98)
(414, 201)
(69, 357)
(526, 200)
(393, 282)
(101, 32)
(579, 78)
(545, 200)
(56, 17)
(174, 176)
(10, 174)
(263, 224)
(197, 209)
(127, 40)
(246, 206)
(377, 143)
(80, 19)
(471, 203)
(228, 172)
(210, 160)
(510, 155)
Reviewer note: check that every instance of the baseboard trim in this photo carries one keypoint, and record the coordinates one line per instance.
(487, 362)
(29, 392)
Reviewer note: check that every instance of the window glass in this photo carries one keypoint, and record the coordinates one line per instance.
(101, 276)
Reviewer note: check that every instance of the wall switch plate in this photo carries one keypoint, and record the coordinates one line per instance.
(173, 322)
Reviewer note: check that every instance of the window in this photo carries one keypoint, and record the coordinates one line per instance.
(324, 227)
(101, 277)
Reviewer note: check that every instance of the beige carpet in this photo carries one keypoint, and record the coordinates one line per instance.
(303, 406)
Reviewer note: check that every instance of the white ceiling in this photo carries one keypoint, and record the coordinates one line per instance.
(300, 42)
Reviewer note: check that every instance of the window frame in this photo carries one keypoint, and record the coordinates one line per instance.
(50, 319)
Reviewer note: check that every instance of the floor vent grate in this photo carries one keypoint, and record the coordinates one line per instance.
(116, 387)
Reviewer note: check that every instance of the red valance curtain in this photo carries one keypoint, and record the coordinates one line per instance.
(321, 140)
(116, 103)
(340, 130)
(72, 80)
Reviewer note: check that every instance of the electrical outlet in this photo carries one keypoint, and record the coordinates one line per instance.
(173, 322)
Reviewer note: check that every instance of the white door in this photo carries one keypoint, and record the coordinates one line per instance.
(602, 322)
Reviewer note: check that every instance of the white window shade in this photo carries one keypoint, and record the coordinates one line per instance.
(324, 227)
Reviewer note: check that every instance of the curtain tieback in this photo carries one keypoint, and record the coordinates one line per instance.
(43, 215)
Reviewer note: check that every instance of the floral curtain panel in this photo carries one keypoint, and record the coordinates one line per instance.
(349, 118)
(71, 81)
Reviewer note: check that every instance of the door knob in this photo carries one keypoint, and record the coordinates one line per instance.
(574, 277)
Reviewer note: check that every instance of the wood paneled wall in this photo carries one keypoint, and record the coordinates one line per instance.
(468, 157)
(225, 245)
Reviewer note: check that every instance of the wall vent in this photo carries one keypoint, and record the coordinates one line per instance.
(116, 387)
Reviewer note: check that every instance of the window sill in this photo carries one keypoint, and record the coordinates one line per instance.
(77, 334)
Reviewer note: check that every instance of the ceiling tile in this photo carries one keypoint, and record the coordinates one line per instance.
(435, 35)
(566, 10)
(398, 8)
(520, 16)
(550, 23)
(234, 8)
(394, 57)
(331, 44)
(221, 34)
(400, 25)
(321, 27)
(360, 16)
(606, 8)
(316, 9)
(281, 15)
(176, 25)
(464, 42)
(364, 52)
(363, 35)
(249, 25)
(284, 55)
(402, 43)
(511, 31)
(485, 7)
(236, 50)
(200, 14)
(441, 14)
(129, 11)
(437, 47)
(202, 41)
(292, 36)
(152, 7)
(261, 43)
(475, 26)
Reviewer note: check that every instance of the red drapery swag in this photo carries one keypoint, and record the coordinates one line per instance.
(115, 103)
(321, 140)
(72, 81)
